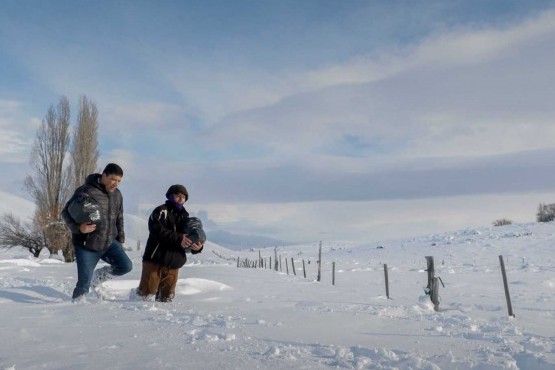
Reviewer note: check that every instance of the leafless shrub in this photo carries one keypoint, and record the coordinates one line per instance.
(546, 212)
(502, 222)
(13, 233)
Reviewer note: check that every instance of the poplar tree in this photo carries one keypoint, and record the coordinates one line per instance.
(50, 184)
(84, 150)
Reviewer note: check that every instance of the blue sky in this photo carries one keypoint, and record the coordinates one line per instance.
(298, 120)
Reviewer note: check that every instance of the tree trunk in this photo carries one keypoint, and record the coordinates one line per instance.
(68, 251)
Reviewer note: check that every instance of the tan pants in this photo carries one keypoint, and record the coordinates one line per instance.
(159, 281)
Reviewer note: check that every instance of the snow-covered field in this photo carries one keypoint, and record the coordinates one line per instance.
(225, 317)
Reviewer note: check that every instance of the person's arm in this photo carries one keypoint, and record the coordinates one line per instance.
(70, 223)
(157, 226)
(119, 223)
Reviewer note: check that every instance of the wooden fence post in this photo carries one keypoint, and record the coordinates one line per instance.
(304, 269)
(333, 273)
(318, 278)
(433, 285)
(293, 266)
(506, 285)
(286, 266)
(275, 259)
(386, 280)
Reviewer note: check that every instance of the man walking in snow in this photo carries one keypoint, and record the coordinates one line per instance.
(94, 214)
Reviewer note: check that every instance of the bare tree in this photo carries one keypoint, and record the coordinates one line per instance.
(50, 186)
(56, 175)
(84, 151)
(15, 234)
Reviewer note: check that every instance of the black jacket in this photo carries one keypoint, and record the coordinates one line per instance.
(166, 225)
(110, 226)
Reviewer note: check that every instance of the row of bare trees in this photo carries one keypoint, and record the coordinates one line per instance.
(60, 165)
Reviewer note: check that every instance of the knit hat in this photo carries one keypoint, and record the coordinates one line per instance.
(177, 189)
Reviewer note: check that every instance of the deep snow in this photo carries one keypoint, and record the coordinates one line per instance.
(225, 317)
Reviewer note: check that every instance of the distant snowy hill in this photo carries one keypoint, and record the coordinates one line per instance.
(18, 206)
(136, 228)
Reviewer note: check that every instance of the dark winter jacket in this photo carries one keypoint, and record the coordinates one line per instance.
(166, 225)
(110, 225)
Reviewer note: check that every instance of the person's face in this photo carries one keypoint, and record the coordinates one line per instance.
(110, 182)
(179, 198)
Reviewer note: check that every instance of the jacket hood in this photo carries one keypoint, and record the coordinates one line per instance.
(94, 180)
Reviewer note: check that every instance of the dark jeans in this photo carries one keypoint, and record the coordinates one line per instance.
(87, 261)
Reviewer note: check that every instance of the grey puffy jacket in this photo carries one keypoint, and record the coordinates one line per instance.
(110, 226)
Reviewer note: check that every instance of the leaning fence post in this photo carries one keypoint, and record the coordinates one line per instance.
(506, 285)
(293, 266)
(433, 286)
(386, 280)
(304, 270)
(286, 266)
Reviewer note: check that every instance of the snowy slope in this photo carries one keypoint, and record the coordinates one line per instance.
(226, 317)
(15, 205)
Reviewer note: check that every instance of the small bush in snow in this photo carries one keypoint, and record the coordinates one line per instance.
(546, 212)
(502, 222)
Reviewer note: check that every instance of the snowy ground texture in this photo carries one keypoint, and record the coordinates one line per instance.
(225, 317)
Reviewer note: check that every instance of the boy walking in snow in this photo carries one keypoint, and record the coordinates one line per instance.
(172, 234)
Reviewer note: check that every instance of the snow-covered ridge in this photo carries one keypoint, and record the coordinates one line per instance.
(229, 317)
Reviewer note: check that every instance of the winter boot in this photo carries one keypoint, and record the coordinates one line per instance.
(100, 276)
(135, 295)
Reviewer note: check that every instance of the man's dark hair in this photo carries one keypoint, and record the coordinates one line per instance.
(112, 169)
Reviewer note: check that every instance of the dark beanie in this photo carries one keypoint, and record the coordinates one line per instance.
(177, 189)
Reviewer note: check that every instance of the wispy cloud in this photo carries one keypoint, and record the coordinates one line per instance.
(468, 92)
(14, 140)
